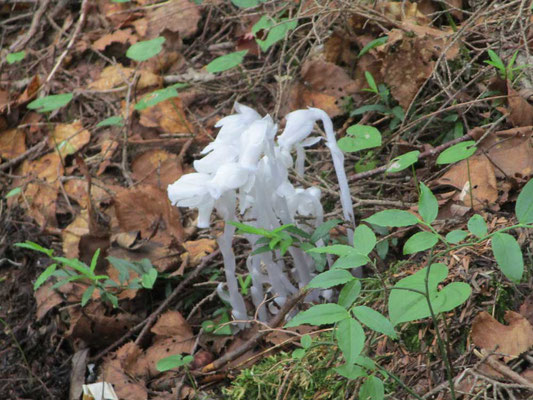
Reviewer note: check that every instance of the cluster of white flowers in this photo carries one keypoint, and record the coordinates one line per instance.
(244, 167)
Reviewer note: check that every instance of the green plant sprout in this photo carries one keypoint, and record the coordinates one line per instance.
(71, 269)
(505, 71)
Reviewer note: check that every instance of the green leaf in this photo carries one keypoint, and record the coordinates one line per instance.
(322, 231)
(360, 137)
(372, 389)
(368, 108)
(330, 278)
(276, 33)
(94, 260)
(244, 228)
(265, 22)
(508, 256)
(419, 242)
(350, 371)
(350, 338)
(306, 341)
(77, 265)
(477, 226)
(337, 249)
(456, 236)
(524, 204)
(13, 192)
(245, 3)
(408, 305)
(223, 328)
(371, 82)
(364, 239)
(142, 51)
(156, 97)
(47, 273)
(171, 362)
(321, 314)
(404, 161)
(87, 294)
(50, 103)
(457, 152)
(374, 320)
(149, 279)
(208, 326)
(225, 62)
(382, 248)
(495, 60)
(392, 218)
(428, 207)
(374, 43)
(116, 120)
(12, 58)
(34, 246)
(352, 260)
(349, 293)
(298, 354)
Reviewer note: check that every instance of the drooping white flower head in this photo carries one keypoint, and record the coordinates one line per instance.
(232, 127)
(223, 154)
(253, 142)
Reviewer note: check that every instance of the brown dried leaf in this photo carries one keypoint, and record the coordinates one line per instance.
(117, 75)
(72, 234)
(12, 143)
(511, 340)
(172, 324)
(46, 299)
(125, 387)
(168, 116)
(67, 139)
(198, 249)
(178, 16)
(30, 91)
(41, 199)
(156, 167)
(76, 189)
(47, 168)
(520, 111)
(483, 180)
(119, 36)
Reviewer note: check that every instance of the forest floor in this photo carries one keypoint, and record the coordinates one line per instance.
(88, 171)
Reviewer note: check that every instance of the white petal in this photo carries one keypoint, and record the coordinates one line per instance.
(212, 162)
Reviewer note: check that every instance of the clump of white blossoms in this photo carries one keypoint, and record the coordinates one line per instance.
(245, 172)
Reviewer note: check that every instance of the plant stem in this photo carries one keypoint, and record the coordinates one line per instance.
(399, 381)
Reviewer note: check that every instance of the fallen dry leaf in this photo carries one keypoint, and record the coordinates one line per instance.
(167, 116)
(482, 177)
(198, 249)
(157, 168)
(46, 299)
(12, 143)
(125, 387)
(48, 168)
(520, 111)
(510, 340)
(41, 200)
(122, 36)
(116, 75)
(178, 16)
(73, 232)
(67, 139)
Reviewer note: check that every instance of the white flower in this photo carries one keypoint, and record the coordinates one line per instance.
(222, 154)
(232, 127)
(254, 141)
(229, 176)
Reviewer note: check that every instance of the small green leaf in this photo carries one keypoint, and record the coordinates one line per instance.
(223, 328)
(477, 226)
(306, 341)
(428, 207)
(508, 256)
(171, 362)
(34, 246)
(419, 242)
(87, 294)
(142, 51)
(12, 58)
(374, 43)
(225, 62)
(330, 278)
(371, 82)
(298, 354)
(364, 239)
(208, 326)
(244, 228)
(156, 97)
(13, 192)
(496, 60)
(264, 23)
(47, 273)
(349, 293)
(369, 108)
(456, 236)
(372, 389)
(350, 338)
(116, 120)
(350, 371)
(322, 231)
(360, 137)
(404, 161)
(276, 33)
(321, 314)
(149, 279)
(457, 152)
(94, 260)
(337, 249)
(352, 260)
(245, 3)
(392, 218)
(524, 204)
(374, 320)
(50, 103)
